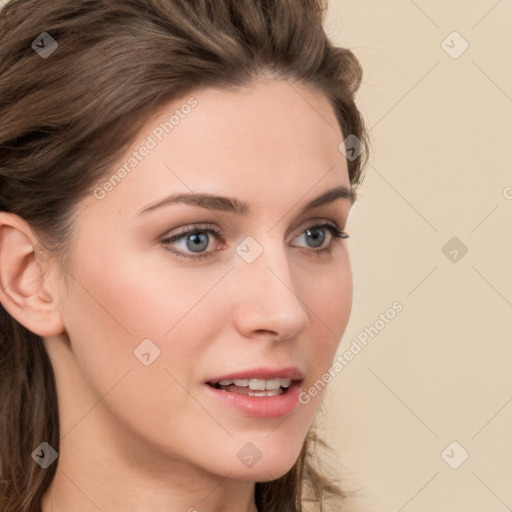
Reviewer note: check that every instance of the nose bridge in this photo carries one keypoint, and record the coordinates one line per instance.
(268, 296)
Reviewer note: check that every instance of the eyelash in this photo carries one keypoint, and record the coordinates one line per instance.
(333, 229)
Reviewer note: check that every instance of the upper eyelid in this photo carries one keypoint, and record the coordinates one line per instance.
(211, 226)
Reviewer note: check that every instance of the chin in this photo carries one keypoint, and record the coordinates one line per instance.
(267, 468)
(264, 474)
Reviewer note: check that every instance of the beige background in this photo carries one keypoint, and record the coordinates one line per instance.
(440, 370)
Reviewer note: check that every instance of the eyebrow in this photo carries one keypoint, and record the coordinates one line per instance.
(233, 205)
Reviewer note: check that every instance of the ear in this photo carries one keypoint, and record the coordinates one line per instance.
(25, 292)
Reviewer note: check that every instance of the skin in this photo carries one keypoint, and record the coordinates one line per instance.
(134, 436)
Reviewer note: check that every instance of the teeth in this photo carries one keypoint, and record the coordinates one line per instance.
(272, 392)
(258, 384)
(277, 383)
(285, 383)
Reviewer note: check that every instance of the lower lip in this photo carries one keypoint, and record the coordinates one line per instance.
(260, 406)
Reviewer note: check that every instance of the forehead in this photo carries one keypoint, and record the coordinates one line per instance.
(261, 141)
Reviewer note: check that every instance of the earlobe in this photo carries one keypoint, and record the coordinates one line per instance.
(23, 290)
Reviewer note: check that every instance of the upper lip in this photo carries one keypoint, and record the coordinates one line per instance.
(290, 372)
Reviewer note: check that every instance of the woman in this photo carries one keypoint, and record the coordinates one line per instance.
(174, 273)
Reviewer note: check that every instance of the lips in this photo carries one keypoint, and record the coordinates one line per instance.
(259, 404)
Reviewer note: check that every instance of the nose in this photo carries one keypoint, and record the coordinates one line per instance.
(268, 300)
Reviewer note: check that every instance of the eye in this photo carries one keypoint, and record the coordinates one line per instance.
(194, 241)
(316, 234)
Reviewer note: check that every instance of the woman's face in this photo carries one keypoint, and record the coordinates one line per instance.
(151, 317)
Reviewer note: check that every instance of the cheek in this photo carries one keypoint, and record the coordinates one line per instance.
(118, 299)
(136, 296)
(114, 303)
(329, 304)
(328, 297)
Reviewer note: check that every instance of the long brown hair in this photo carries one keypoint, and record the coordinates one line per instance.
(68, 116)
